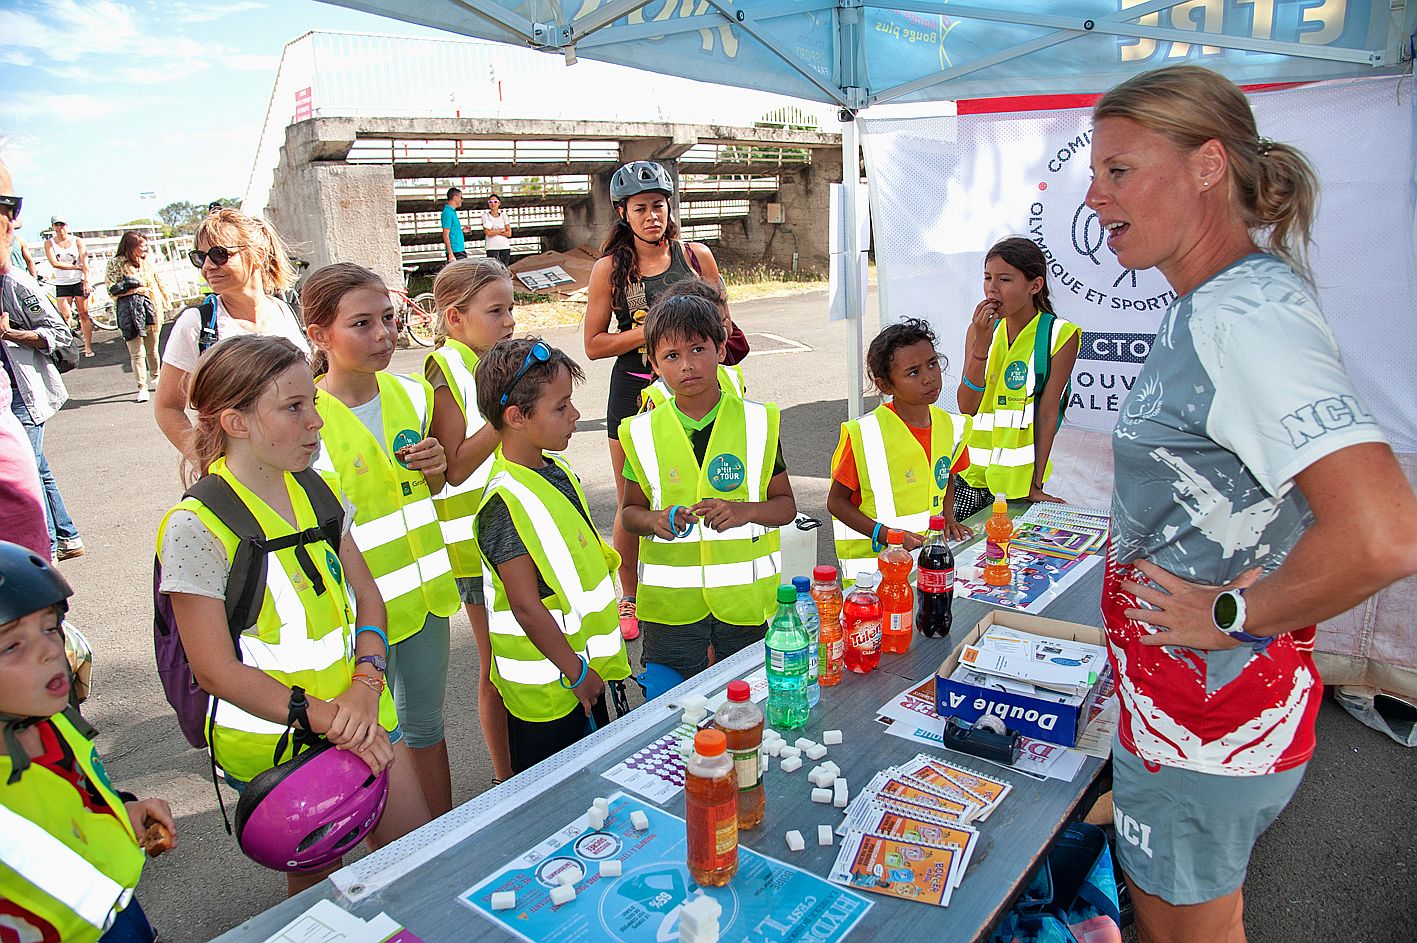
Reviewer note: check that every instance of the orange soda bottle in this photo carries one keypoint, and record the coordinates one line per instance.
(998, 532)
(826, 591)
(711, 810)
(897, 598)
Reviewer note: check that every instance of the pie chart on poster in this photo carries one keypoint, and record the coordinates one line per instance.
(643, 904)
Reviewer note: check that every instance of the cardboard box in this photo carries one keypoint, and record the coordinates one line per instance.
(1036, 718)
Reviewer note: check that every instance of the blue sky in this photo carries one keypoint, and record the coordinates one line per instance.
(101, 100)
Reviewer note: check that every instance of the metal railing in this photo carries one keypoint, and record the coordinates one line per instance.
(477, 151)
(773, 155)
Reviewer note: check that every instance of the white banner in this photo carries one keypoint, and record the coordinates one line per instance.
(944, 189)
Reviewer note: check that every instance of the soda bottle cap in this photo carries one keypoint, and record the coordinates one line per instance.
(937, 522)
(824, 574)
(786, 592)
(1000, 501)
(710, 742)
(801, 583)
(867, 581)
(739, 690)
(895, 537)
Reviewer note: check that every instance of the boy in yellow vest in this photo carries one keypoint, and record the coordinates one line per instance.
(705, 489)
(71, 846)
(551, 602)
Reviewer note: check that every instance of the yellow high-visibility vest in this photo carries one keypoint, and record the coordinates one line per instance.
(457, 504)
(730, 381)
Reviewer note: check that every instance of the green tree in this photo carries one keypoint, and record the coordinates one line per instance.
(182, 216)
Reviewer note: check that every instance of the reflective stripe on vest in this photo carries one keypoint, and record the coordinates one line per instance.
(1001, 445)
(457, 504)
(396, 525)
(896, 489)
(78, 885)
(300, 636)
(577, 565)
(730, 381)
(735, 570)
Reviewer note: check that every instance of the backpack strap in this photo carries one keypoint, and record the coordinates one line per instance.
(206, 318)
(692, 259)
(326, 505)
(247, 579)
(1043, 362)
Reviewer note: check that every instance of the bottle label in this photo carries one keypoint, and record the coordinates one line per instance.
(866, 636)
(902, 621)
(935, 581)
(996, 553)
(747, 767)
(790, 663)
(838, 649)
(725, 831)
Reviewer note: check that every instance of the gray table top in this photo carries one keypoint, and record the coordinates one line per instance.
(417, 880)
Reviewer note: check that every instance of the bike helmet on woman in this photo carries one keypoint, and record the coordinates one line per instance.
(640, 176)
(308, 812)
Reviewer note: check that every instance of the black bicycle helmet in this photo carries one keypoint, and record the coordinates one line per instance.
(640, 176)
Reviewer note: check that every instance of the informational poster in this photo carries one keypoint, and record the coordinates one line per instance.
(767, 899)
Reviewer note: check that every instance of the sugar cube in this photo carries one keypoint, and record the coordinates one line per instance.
(821, 778)
(821, 795)
(595, 818)
(795, 841)
(791, 764)
(839, 801)
(709, 935)
(567, 876)
(775, 748)
(765, 762)
(693, 702)
(504, 900)
(639, 821)
(804, 744)
(602, 804)
(835, 770)
(563, 894)
(816, 751)
(699, 916)
(694, 717)
(770, 734)
(792, 752)
(824, 835)
(831, 737)
(610, 869)
(839, 794)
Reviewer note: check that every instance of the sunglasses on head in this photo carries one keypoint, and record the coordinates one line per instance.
(540, 353)
(10, 206)
(219, 255)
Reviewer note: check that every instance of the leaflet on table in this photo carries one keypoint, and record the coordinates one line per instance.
(909, 870)
(950, 776)
(766, 898)
(1037, 579)
(326, 921)
(911, 823)
(1038, 759)
(1021, 658)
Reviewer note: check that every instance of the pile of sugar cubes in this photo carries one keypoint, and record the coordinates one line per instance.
(828, 785)
(698, 920)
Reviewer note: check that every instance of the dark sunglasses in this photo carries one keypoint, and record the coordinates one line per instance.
(220, 255)
(10, 206)
(540, 353)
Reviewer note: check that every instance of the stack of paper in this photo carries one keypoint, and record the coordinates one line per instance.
(1033, 665)
(909, 834)
(1061, 530)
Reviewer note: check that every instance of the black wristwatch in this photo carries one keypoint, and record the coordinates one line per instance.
(1228, 614)
(379, 662)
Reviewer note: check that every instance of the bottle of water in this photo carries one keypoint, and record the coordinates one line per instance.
(807, 612)
(787, 643)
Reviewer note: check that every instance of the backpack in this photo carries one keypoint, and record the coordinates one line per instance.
(1073, 897)
(1043, 363)
(206, 318)
(245, 588)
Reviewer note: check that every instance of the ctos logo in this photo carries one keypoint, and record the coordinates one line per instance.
(1016, 375)
(403, 440)
(725, 472)
(942, 471)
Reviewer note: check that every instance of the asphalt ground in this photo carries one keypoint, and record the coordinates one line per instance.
(1340, 864)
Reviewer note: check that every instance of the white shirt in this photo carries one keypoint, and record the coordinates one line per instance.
(273, 317)
(496, 222)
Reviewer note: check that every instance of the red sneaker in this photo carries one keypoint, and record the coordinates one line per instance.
(629, 623)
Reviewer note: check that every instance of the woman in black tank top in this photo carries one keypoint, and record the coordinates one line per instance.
(641, 257)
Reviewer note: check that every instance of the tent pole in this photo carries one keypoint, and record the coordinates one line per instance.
(850, 262)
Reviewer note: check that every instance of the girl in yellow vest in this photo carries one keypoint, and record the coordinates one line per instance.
(474, 300)
(256, 425)
(893, 468)
(1014, 425)
(730, 373)
(71, 846)
(377, 440)
(549, 576)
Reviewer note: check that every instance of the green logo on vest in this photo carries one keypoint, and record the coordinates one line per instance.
(942, 472)
(99, 771)
(725, 472)
(332, 564)
(1016, 375)
(402, 441)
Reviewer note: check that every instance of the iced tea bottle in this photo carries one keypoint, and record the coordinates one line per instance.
(742, 723)
(711, 810)
(897, 598)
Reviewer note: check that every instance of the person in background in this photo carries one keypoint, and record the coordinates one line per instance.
(454, 242)
(244, 260)
(70, 262)
(20, 257)
(497, 229)
(1234, 530)
(21, 492)
(140, 303)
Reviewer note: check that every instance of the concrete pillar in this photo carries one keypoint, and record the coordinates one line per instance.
(339, 213)
(805, 196)
(588, 222)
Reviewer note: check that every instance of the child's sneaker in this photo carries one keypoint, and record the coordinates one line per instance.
(70, 547)
(629, 623)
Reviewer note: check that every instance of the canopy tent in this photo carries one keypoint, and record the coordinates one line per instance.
(859, 53)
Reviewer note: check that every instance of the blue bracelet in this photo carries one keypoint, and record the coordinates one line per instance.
(876, 545)
(377, 631)
(965, 380)
(675, 527)
(585, 670)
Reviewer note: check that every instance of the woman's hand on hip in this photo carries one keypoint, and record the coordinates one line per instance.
(1183, 611)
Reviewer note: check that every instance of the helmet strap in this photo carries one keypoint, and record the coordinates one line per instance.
(19, 756)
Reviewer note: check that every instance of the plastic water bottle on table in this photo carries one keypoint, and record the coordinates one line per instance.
(787, 663)
(807, 612)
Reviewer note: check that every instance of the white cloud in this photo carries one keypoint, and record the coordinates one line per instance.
(65, 106)
(193, 13)
(250, 62)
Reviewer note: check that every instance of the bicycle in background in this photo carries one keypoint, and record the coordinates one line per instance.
(418, 315)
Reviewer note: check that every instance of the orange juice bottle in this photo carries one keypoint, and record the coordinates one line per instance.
(897, 598)
(998, 532)
(711, 810)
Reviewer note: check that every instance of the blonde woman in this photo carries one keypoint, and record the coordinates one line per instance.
(244, 261)
(140, 303)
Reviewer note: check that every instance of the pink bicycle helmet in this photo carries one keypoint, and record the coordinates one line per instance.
(307, 812)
